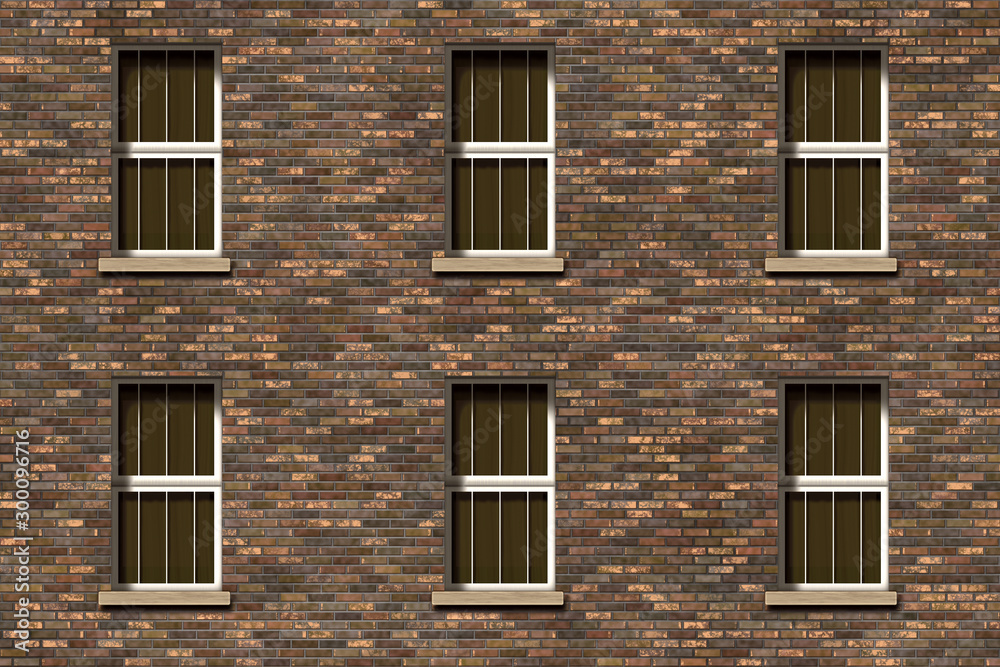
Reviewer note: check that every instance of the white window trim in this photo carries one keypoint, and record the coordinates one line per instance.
(502, 149)
(857, 483)
(500, 483)
(167, 149)
(190, 483)
(842, 149)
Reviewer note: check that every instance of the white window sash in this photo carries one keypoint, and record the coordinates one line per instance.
(882, 585)
(550, 541)
(215, 585)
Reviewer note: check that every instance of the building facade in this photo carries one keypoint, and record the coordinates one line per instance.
(534, 333)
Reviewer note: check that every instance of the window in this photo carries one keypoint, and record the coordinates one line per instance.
(166, 485)
(500, 503)
(500, 151)
(833, 512)
(167, 151)
(833, 151)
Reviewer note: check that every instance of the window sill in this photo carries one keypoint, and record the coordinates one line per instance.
(497, 598)
(830, 598)
(173, 598)
(830, 264)
(164, 264)
(497, 264)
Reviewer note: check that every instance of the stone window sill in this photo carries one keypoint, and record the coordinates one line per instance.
(830, 598)
(830, 264)
(175, 598)
(497, 264)
(164, 264)
(497, 598)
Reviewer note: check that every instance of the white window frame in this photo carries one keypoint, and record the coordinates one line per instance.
(186, 483)
(835, 483)
(834, 149)
(167, 149)
(502, 149)
(502, 483)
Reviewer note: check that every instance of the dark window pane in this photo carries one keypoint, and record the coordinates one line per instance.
(819, 96)
(795, 96)
(153, 96)
(486, 91)
(153, 204)
(152, 535)
(204, 95)
(461, 204)
(871, 95)
(847, 208)
(871, 530)
(514, 95)
(847, 538)
(819, 429)
(538, 429)
(795, 429)
(486, 195)
(128, 538)
(180, 537)
(820, 200)
(485, 429)
(180, 429)
(128, 429)
(871, 196)
(461, 95)
(538, 538)
(205, 203)
(514, 540)
(538, 204)
(538, 95)
(795, 538)
(461, 538)
(514, 429)
(461, 429)
(819, 527)
(486, 537)
(847, 95)
(204, 429)
(795, 204)
(128, 204)
(514, 204)
(871, 429)
(180, 96)
(204, 517)
(180, 204)
(152, 429)
(847, 429)
(128, 96)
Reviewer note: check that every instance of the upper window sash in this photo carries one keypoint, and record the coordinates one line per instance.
(499, 480)
(882, 145)
(800, 481)
(151, 482)
(214, 146)
(501, 146)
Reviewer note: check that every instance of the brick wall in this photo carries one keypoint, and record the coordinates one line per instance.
(664, 334)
